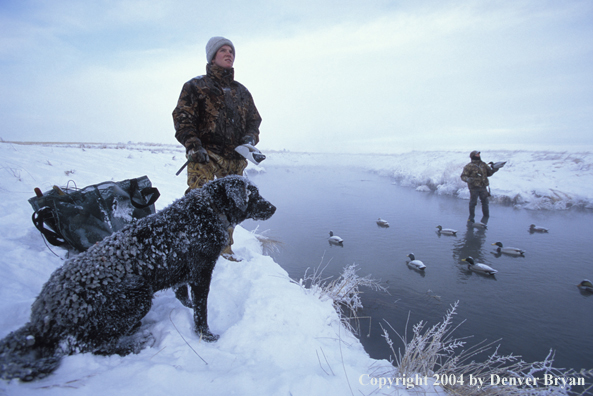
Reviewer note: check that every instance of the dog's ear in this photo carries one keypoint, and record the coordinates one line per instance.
(238, 193)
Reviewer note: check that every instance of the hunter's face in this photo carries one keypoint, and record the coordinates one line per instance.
(224, 57)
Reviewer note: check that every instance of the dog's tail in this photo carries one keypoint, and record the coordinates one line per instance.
(24, 357)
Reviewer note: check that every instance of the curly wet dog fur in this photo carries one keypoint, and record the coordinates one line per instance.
(96, 300)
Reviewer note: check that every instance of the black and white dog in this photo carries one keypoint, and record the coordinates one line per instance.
(96, 300)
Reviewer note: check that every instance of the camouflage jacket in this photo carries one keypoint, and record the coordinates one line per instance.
(216, 112)
(476, 174)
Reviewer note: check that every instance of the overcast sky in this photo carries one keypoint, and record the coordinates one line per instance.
(339, 76)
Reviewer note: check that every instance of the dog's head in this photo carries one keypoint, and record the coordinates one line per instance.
(238, 199)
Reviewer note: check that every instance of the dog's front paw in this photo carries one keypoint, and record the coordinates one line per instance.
(206, 335)
(182, 294)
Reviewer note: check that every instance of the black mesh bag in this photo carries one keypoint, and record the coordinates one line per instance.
(79, 218)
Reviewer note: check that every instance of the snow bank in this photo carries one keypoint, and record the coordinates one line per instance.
(529, 180)
(277, 338)
(535, 180)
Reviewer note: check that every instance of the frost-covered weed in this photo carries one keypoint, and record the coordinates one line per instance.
(269, 244)
(343, 291)
(432, 353)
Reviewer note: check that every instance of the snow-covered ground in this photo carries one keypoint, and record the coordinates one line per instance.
(277, 338)
(530, 179)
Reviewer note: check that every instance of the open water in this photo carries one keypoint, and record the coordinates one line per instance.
(532, 304)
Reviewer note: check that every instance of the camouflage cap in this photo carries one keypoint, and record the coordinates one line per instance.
(474, 153)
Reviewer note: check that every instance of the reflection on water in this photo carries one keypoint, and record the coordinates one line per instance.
(532, 303)
(471, 245)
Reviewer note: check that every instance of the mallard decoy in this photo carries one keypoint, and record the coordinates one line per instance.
(509, 250)
(382, 223)
(446, 231)
(335, 240)
(479, 267)
(586, 285)
(415, 263)
(534, 228)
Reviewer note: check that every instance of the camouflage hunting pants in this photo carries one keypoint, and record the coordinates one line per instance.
(474, 194)
(200, 174)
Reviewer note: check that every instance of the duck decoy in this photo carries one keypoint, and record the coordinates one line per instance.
(335, 240)
(416, 263)
(446, 231)
(497, 165)
(534, 228)
(479, 267)
(382, 223)
(586, 285)
(512, 251)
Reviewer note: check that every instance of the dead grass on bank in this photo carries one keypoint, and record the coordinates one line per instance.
(344, 291)
(435, 353)
(268, 243)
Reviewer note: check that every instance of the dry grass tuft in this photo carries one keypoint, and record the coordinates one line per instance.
(432, 353)
(269, 244)
(344, 291)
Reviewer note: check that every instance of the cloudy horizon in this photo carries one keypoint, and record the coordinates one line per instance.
(381, 76)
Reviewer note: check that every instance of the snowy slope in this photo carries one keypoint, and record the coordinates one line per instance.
(277, 338)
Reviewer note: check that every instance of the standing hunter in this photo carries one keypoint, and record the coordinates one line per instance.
(476, 175)
(214, 115)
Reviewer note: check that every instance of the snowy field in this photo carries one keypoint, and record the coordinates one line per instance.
(530, 179)
(277, 338)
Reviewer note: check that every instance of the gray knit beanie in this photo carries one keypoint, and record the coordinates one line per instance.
(214, 45)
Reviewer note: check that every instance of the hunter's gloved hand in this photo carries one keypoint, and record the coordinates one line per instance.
(248, 140)
(199, 155)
